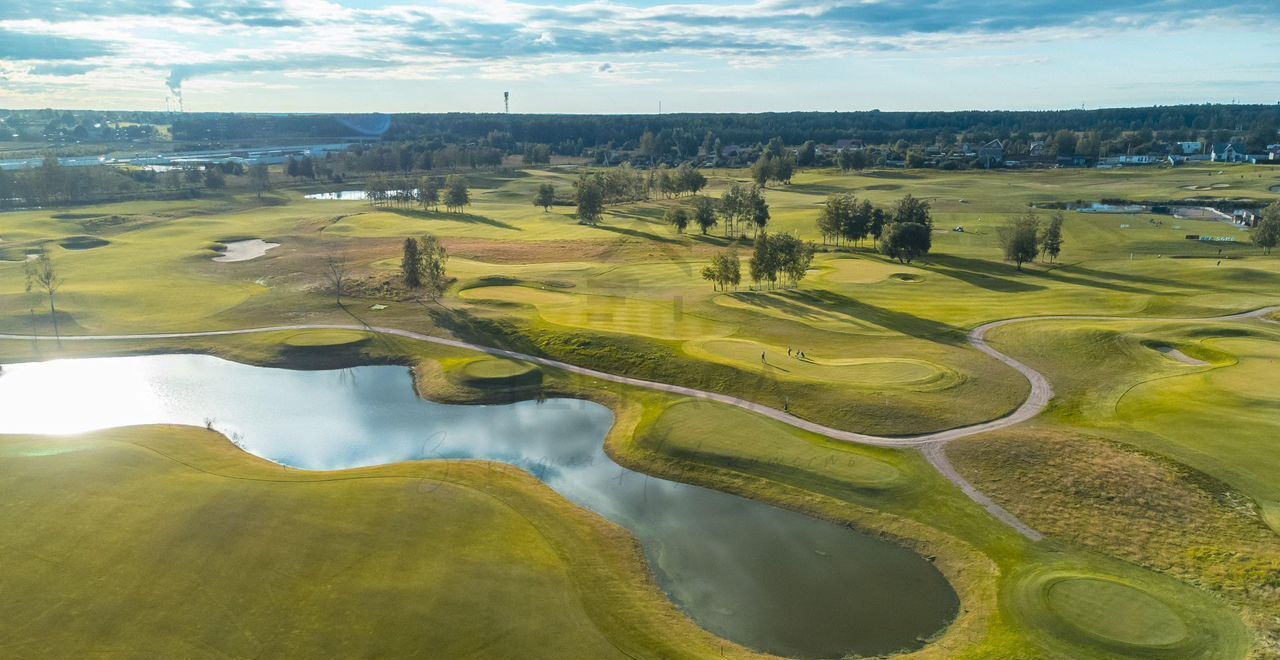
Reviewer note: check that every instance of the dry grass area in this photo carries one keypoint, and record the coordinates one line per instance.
(1098, 494)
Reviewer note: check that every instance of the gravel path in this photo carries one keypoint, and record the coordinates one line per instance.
(932, 445)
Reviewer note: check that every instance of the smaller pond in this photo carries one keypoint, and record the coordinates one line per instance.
(348, 195)
(244, 250)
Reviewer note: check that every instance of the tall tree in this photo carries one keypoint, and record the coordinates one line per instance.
(428, 193)
(433, 258)
(590, 199)
(1267, 234)
(906, 241)
(762, 264)
(260, 178)
(677, 217)
(912, 209)
(456, 194)
(336, 276)
(411, 264)
(758, 209)
(807, 155)
(545, 197)
(1018, 238)
(43, 277)
(1051, 238)
(704, 213)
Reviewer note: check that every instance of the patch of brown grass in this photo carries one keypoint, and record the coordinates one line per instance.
(1141, 508)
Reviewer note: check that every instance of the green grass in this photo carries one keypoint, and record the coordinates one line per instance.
(1145, 472)
(213, 553)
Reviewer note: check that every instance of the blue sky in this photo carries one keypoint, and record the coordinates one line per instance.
(604, 56)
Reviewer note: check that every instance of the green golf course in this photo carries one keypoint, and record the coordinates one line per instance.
(1151, 476)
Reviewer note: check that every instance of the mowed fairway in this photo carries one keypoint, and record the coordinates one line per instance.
(213, 553)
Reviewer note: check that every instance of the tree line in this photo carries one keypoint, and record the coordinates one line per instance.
(428, 192)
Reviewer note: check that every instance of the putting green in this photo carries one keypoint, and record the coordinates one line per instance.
(1088, 610)
(1115, 612)
(605, 313)
(865, 271)
(497, 371)
(321, 338)
(866, 371)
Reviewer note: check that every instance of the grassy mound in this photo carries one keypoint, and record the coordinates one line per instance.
(1115, 612)
(218, 554)
(696, 430)
(326, 338)
(898, 372)
(498, 372)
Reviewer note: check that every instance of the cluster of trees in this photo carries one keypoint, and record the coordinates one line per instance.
(673, 183)
(844, 219)
(1023, 237)
(702, 212)
(1266, 234)
(724, 271)
(904, 232)
(422, 265)
(779, 258)
(596, 188)
(304, 167)
(909, 233)
(536, 154)
(413, 157)
(743, 207)
(429, 192)
(774, 164)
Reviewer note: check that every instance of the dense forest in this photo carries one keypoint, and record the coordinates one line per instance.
(572, 133)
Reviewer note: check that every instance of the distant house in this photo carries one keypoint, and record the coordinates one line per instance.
(1188, 148)
(991, 153)
(844, 145)
(1038, 148)
(733, 151)
(1273, 152)
(1244, 217)
(1226, 153)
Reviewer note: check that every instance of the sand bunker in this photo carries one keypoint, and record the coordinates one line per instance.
(245, 250)
(1173, 353)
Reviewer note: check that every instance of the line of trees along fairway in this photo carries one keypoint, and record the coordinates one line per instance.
(457, 196)
(422, 265)
(844, 219)
(1267, 234)
(52, 183)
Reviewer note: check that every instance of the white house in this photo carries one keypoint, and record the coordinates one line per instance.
(1189, 148)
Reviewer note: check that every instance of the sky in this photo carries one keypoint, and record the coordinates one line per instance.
(619, 56)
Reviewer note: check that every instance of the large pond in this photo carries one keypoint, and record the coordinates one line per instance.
(768, 578)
